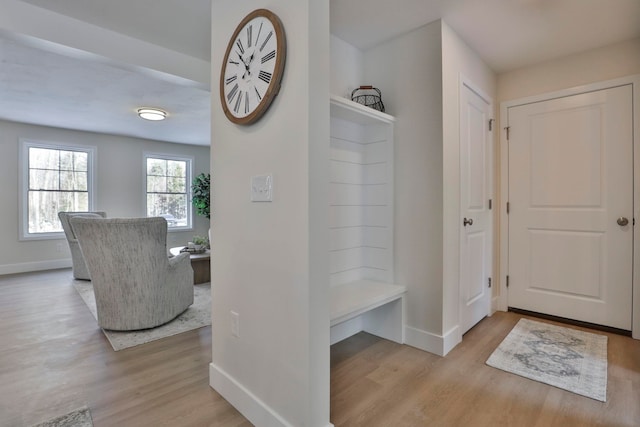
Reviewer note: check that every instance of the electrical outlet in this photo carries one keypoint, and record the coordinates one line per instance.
(235, 324)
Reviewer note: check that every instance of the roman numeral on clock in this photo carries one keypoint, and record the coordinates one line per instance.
(265, 77)
(239, 44)
(249, 35)
(257, 93)
(238, 101)
(264, 43)
(232, 93)
(246, 103)
(269, 56)
(259, 31)
(230, 80)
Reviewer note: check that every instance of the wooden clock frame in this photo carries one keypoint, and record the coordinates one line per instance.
(276, 79)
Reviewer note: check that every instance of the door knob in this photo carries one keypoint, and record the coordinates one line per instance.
(622, 221)
(470, 222)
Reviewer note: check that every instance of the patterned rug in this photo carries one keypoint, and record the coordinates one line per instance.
(196, 316)
(78, 418)
(565, 358)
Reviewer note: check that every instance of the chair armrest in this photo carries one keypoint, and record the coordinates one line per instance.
(179, 259)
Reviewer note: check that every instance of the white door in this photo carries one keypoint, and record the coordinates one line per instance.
(476, 219)
(571, 207)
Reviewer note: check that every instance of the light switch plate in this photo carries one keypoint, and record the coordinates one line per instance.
(262, 188)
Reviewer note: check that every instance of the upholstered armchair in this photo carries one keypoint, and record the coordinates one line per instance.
(136, 285)
(79, 268)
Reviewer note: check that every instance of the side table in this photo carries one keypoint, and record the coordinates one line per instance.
(201, 264)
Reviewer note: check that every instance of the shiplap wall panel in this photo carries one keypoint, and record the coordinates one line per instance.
(376, 237)
(375, 195)
(348, 194)
(374, 173)
(346, 259)
(371, 273)
(345, 238)
(360, 201)
(342, 172)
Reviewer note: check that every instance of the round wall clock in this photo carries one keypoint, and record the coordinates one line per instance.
(253, 67)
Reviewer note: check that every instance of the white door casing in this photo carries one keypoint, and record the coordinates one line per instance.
(475, 214)
(570, 177)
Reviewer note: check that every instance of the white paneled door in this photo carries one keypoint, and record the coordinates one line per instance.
(571, 206)
(476, 219)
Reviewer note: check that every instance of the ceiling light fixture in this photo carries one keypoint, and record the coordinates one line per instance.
(152, 114)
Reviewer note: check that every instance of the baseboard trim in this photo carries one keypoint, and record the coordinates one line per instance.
(433, 343)
(249, 405)
(28, 267)
(495, 305)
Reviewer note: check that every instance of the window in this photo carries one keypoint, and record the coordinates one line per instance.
(56, 178)
(168, 188)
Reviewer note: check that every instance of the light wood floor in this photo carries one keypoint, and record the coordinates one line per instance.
(54, 358)
(378, 383)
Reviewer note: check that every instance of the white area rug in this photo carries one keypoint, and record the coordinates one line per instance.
(196, 316)
(78, 418)
(565, 358)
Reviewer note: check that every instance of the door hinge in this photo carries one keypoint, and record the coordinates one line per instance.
(490, 125)
(507, 281)
(508, 128)
(489, 281)
(490, 204)
(508, 207)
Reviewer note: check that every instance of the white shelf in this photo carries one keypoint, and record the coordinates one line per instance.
(350, 300)
(357, 113)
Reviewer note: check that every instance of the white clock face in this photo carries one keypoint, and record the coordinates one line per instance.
(249, 67)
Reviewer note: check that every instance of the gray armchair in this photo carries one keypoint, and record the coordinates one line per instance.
(79, 268)
(136, 285)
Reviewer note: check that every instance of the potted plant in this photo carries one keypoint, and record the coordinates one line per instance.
(200, 242)
(200, 189)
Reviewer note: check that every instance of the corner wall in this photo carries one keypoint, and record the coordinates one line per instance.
(270, 260)
(422, 90)
(412, 92)
(119, 183)
(346, 68)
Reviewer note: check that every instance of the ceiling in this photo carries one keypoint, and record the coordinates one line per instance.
(87, 93)
(507, 34)
(66, 88)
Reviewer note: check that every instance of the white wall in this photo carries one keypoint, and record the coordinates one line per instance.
(120, 189)
(346, 67)
(412, 92)
(605, 63)
(458, 60)
(269, 261)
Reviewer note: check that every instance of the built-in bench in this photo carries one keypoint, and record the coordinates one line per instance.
(370, 306)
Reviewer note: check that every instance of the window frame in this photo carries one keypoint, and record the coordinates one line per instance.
(189, 177)
(23, 182)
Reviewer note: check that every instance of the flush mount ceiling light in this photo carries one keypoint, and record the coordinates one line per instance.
(152, 114)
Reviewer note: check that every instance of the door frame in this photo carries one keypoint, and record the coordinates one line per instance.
(503, 256)
(464, 81)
